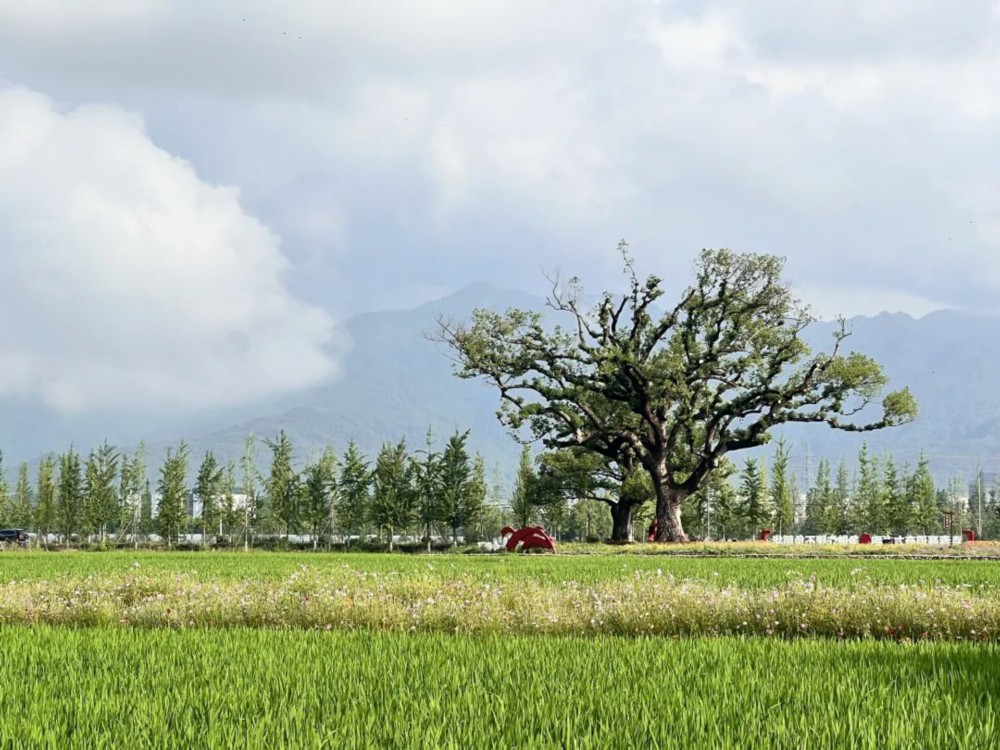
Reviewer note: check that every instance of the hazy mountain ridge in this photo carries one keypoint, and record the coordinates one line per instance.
(395, 383)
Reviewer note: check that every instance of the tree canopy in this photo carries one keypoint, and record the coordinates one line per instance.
(677, 389)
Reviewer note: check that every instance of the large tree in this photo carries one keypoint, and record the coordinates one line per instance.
(282, 484)
(714, 373)
(171, 511)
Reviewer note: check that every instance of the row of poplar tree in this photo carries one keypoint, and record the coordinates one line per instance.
(444, 494)
(876, 496)
(428, 493)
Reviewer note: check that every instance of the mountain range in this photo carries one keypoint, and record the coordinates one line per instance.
(394, 382)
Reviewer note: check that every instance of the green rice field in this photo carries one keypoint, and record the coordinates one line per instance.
(254, 688)
(219, 649)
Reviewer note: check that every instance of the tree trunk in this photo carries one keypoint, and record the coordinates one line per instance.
(669, 527)
(621, 521)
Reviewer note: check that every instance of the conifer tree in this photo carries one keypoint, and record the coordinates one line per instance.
(457, 502)
(21, 504)
(4, 493)
(927, 518)
(427, 486)
(393, 498)
(208, 488)
(354, 485)
(521, 506)
(897, 505)
(282, 484)
(100, 503)
(69, 503)
(45, 509)
(131, 493)
(781, 490)
(171, 512)
(842, 499)
(318, 490)
(754, 499)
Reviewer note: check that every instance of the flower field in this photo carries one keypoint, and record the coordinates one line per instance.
(305, 650)
(254, 688)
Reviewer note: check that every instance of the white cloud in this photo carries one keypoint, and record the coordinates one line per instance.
(130, 282)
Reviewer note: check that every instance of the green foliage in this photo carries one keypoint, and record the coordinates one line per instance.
(354, 507)
(781, 490)
(282, 484)
(674, 391)
(208, 489)
(20, 512)
(69, 506)
(101, 508)
(319, 490)
(521, 504)
(4, 492)
(171, 512)
(458, 501)
(271, 689)
(45, 509)
(393, 499)
(756, 511)
(924, 499)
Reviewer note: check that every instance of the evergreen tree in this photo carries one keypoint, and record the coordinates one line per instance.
(282, 484)
(393, 498)
(427, 486)
(457, 502)
(318, 491)
(146, 525)
(713, 510)
(69, 505)
(250, 481)
(131, 489)
(21, 505)
(475, 526)
(355, 491)
(754, 500)
(896, 503)
(869, 511)
(521, 506)
(842, 499)
(45, 509)
(781, 490)
(228, 512)
(978, 502)
(926, 516)
(4, 494)
(208, 488)
(100, 503)
(171, 512)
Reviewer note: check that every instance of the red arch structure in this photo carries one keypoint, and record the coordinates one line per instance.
(764, 534)
(530, 537)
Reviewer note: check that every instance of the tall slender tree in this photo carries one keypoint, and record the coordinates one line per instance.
(171, 512)
(458, 505)
(208, 489)
(101, 507)
(927, 517)
(45, 509)
(282, 484)
(753, 484)
(521, 506)
(250, 484)
(393, 498)
(4, 493)
(318, 494)
(781, 490)
(22, 503)
(69, 506)
(426, 471)
(354, 498)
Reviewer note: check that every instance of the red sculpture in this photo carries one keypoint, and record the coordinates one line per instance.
(653, 528)
(968, 535)
(865, 538)
(530, 537)
(764, 534)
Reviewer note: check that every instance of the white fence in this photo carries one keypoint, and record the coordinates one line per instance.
(853, 539)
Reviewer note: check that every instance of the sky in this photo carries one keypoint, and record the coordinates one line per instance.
(195, 195)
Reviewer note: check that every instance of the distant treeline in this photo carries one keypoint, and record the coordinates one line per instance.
(438, 494)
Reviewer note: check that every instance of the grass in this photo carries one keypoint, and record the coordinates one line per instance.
(253, 688)
(747, 573)
(516, 595)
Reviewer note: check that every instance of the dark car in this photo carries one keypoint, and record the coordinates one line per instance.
(14, 536)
